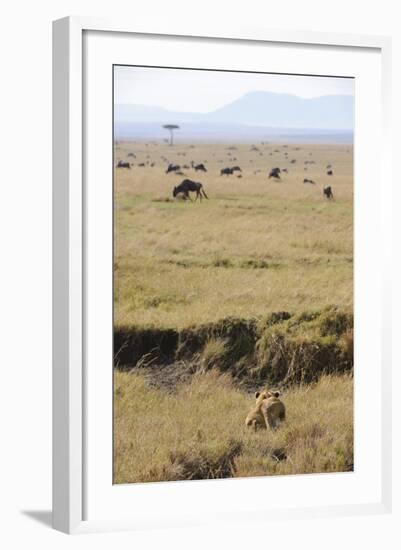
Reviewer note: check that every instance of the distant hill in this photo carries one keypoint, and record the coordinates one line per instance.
(254, 115)
(335, 112)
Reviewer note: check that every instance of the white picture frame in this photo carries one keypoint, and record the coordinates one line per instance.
(70, 256)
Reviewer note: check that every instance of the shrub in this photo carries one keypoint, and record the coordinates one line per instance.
(233, 340)
(213, 353)
(335, 323)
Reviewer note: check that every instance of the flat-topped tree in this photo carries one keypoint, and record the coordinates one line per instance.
(171, 128)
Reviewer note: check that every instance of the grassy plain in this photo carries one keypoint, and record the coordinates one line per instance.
(255, 248)
(256, 245)
(199, 431)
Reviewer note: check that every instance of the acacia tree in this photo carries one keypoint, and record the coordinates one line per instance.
(171, 128)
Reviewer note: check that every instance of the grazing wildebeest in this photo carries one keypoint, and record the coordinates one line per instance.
(188, 185)
(306, 180)
(275, 173)
(327, 192)
(173, 168)
(236, 169)
(293, 161)
(122, 164)
(200, 167)
(131, 155)
(141, 164)
(329, 172)
(226, 172)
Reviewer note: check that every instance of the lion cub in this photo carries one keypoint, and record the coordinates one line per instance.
(268, 411)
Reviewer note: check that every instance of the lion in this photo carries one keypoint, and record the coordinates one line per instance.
(268, 411)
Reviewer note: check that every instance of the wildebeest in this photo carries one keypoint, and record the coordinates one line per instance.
(327, 192)
(173, 168)
(329, 172)
(236, 169)
(131, 155)
(200, 167)
(226, 171)
(306, 180)
(122, 164)
(285, 170)
(275, 173)
(187, 186)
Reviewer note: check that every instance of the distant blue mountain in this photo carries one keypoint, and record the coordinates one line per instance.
(330, 112)
(335, 112)
(256, 115)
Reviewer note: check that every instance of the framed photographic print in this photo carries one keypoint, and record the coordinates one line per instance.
(220, 229)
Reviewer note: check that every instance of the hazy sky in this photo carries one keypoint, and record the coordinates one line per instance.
(205, 91)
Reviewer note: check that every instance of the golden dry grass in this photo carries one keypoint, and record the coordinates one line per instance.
(255, 246)
(199, 432)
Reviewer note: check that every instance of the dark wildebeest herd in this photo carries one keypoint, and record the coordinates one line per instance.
(188, 186)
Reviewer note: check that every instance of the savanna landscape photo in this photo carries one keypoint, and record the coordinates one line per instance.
(233, 274)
